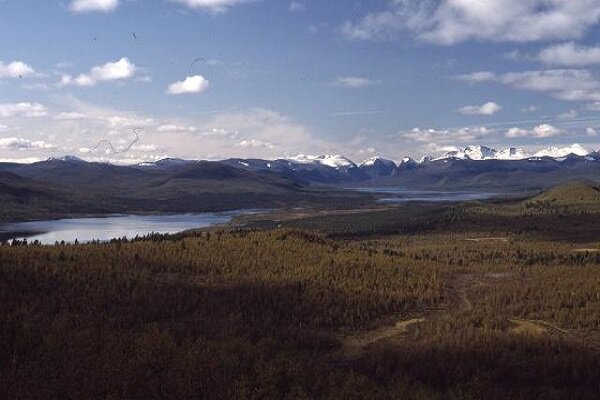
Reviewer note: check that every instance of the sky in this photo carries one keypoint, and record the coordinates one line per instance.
(139, 80)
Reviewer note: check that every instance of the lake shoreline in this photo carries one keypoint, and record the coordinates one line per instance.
(115, 226)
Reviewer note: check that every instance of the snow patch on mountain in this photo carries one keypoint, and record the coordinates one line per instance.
(478, 153)
(512, 153)
(371, 162)
(559, 152)
(329, 160)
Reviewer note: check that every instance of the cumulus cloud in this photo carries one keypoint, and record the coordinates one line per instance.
(570, 54)
(402, 16)
(477, 77)
(563, 84)
(353, 82)
(540, 132)
(78, 126)
(489, 108)
(83, 6)
(112, 71)
(191, 84)
(253, 143)
(213, 6)
(445, 135)
(24, 109)
(14, 143)
(448, 22)
(15, 69)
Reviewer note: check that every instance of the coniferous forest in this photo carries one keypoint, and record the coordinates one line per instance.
(474, 301)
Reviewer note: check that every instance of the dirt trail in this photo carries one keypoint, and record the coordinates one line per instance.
(355, 345)
(459, 286)
(526, 327)
(488, 239)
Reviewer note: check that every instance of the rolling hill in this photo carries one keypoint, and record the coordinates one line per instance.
(73, 187)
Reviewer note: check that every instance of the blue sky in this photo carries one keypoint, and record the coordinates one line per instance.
(211, 79)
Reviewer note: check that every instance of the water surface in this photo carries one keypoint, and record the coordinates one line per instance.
(111, 227)
(398, 195)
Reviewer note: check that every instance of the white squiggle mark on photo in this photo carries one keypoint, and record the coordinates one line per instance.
(112, 148)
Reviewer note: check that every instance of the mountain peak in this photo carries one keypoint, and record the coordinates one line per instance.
(335, 161)
(478, 153)
(559, 152)
(369, 162)
(71, 159)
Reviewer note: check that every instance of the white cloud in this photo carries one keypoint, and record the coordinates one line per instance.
(478, 77)
(83, 6)
(112, 71)
(563, 84)
(213, 6)
(21, 160)
(40, 86)
(593, 107)
(570, 54)
(297, 7)
(69, 116)
(145, 148)
(591, 132)
(446, 135)
(191, 84)
(253, 143)
(530, 109)
(25, 110)
(175, 128)
(489, 108)
(546, 131)
(449, 22)
(353, 82)
(14, 143)
(517, 132)
(15, 69)
(402, 16)
(568, 115)
(540, 132)
(81, 126)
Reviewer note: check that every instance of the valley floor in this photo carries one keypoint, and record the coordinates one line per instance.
(475, 301)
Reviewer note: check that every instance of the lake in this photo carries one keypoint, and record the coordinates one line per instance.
(111, 227)
(397, 195)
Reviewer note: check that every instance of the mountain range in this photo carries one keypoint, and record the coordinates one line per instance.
(69, 185)
(476, 167)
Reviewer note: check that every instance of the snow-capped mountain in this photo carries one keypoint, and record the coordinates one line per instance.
(472, 166)
(70, 159)
(329, 160)
(165, 163)
(512, 153)
(378, 167)
(472, 153)
(370, 162)
(478, 153)
(559, 152)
